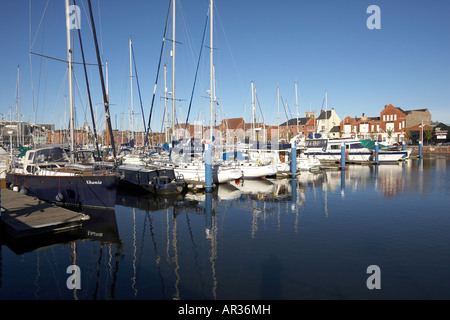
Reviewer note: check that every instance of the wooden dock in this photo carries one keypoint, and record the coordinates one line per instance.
(26, 216)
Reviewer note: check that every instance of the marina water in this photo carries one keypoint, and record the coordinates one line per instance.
(314, 237)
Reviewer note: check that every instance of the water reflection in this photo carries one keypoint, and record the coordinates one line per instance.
(245, 240)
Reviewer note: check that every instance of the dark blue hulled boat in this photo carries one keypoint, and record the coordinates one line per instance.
(47, 175)
(154, 180)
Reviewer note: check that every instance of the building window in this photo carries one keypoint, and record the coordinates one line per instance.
(384, 117)
(395, 117)
(400, 126)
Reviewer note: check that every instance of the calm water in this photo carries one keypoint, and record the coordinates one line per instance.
(310, 238)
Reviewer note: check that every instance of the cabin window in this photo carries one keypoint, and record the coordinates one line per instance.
(319, 143)
(357, 146)
(49, 155)
(335, 147)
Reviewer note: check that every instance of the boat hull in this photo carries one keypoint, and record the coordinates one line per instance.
(157, 181)
(257, 171)
(195, 173)
(94, 191)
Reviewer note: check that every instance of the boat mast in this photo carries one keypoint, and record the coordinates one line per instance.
(296, 103)
(69, 61)
(173, 70)
(253, 112)
(102, 81)
(211, 101)
(18, 103)
(166, 116)
(326, 115)
(131, 93)
(278, 103)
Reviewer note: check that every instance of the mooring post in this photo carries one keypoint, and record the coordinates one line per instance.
(343, 155)
(208, 168)
(420, 149)
(294, 159)
(403, 145)
(376, 151)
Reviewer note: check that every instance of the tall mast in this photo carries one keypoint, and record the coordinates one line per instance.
(166, 118)
(296, 102)
(211, 66)
(102, 81)
(278, 103)
(18, 103)
(69, 60)
(326, 115)
(253, 110)
(131, 93)
(173, 69)
(107, 97)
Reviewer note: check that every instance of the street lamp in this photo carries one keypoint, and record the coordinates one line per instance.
(10, 132)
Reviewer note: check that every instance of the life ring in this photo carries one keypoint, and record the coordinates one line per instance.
(347, 154)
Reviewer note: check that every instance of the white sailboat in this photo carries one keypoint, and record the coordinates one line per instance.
(192, 165)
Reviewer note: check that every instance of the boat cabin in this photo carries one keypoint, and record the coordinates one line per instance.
(52, 157)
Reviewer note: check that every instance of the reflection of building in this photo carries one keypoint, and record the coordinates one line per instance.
(390, 180)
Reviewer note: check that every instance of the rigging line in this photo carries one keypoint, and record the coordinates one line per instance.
(259, 105)
(88, 89)
(40, 22)
(285, 111)
(40, 73)
(139, 89)
(196, 73)
(157, 76)
(61, 60)
(163, 120)
(231, 54)
(100, 26)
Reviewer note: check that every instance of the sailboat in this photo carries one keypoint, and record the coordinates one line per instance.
(137, 172)
(191, 165)
(51, 173)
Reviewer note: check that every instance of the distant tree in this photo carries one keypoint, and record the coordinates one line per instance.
(408, 135)
(428, 134)
(390, 133)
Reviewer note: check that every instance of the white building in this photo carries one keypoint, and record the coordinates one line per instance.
(327, 120)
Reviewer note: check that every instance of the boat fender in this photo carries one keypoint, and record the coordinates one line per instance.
(24, 191)
(59, 197)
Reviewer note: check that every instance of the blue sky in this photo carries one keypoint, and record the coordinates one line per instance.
(324, 46)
